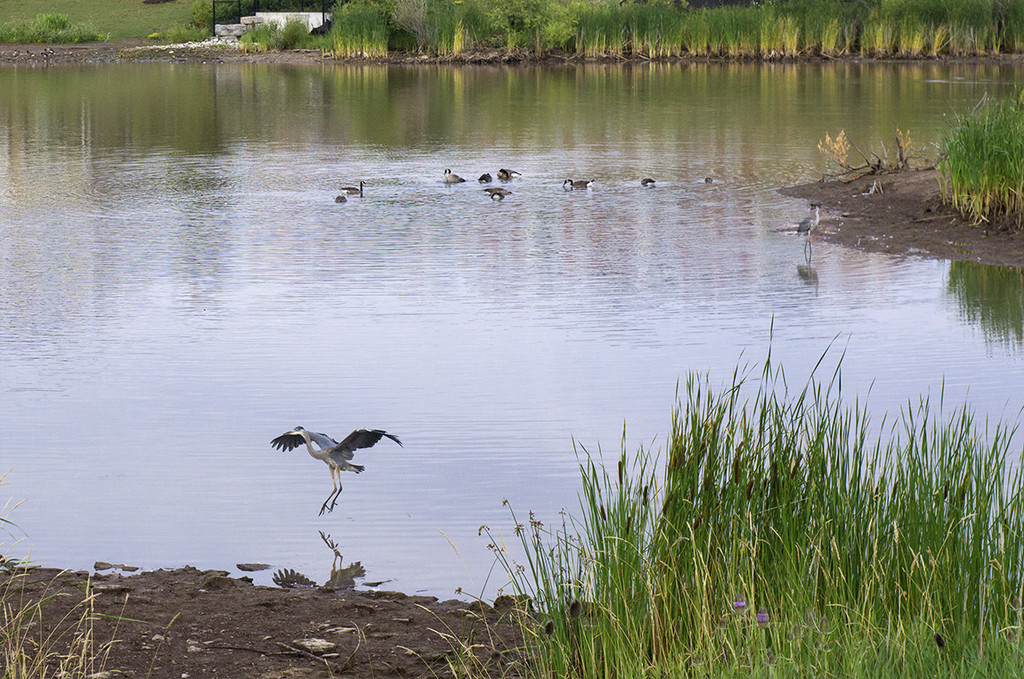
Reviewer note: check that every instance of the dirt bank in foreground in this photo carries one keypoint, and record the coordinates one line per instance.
(189, 623)
(906, 217)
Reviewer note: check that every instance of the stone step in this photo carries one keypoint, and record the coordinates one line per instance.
(229, 30)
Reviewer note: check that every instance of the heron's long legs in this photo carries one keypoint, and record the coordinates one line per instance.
(332, 499)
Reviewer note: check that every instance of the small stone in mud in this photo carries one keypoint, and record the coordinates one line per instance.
(251, 567)
(214, 581)
(506, 602)
(106, 566)
(315, 646)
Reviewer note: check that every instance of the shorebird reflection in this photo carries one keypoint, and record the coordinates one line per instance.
(341, 578)
(808, 274)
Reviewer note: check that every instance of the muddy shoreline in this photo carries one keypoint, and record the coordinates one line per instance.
(139, 50)
(190, 623)
(904, 215)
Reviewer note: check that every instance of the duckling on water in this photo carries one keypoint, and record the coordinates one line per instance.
(340, 199)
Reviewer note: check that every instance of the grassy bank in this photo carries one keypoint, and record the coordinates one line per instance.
(118, 18)
(47, 28)
(663, 28)
(785, 536)
(982, 164)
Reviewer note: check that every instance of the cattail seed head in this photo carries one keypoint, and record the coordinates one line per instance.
(549, 627)
(575, 608)
(939, 641)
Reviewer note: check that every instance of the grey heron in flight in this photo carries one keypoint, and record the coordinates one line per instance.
(337, 456)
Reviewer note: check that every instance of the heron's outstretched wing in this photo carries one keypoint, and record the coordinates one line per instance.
(363, 438)
(294, 439)
(288, 441)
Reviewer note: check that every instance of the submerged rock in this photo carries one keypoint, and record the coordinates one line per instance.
(251, 567)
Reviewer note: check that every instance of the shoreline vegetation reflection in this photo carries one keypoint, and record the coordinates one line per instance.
(991, 297)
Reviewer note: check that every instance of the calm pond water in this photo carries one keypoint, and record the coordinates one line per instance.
(178, 287)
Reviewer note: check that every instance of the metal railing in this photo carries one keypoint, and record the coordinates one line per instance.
(236, 3)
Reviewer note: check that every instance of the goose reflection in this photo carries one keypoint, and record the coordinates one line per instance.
(808, 274)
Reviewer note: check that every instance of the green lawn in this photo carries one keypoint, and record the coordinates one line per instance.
(120, 18)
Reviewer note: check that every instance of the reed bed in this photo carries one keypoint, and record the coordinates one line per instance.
(659, 28)
(361, 30)
(781, 537)
(982, 163)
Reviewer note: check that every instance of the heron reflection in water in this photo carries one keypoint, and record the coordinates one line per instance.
(341, 578)
(808, 274)
(337, 456)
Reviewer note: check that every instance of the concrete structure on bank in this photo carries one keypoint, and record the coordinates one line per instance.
(313, 20)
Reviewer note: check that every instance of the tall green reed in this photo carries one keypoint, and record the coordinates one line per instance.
(785, 531)
(359, 29)
(982, 163)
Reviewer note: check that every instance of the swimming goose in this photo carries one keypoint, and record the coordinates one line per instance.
(484, 178)
(352, 191)
(497, 190)
(570, 185)
(340, 199)
(451, 178)
(505, 175)
(498, 197)
(647, 182)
